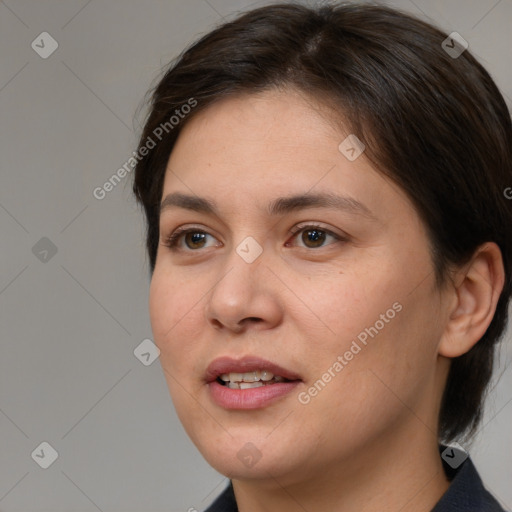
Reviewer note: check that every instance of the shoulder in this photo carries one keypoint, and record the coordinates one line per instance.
(466, 492)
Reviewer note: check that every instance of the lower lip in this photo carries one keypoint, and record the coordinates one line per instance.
(252, 398)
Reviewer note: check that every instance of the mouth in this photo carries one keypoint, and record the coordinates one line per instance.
(248, 383)
(250, 380)
(247, 370)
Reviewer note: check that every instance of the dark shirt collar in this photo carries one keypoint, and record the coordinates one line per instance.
(225, 502)
(465, 494)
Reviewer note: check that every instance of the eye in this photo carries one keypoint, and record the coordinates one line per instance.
(193, 238)
(314, 236)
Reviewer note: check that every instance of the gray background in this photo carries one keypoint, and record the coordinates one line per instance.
(69, 325)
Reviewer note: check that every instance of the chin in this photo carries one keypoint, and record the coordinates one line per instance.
(262, 470)
(241, 459)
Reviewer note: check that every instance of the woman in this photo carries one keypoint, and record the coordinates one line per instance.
(327, 229)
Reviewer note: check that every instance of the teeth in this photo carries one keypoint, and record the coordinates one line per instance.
(252, 376)
(244, 385)
(256, 376)
(236, 377)
(266, 375)
(249, 385)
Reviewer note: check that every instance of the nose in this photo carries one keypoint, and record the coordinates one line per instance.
(245, 297)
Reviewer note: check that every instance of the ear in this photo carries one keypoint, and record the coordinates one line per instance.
(474, 296)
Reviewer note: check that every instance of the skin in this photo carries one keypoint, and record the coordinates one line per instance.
(368, 440)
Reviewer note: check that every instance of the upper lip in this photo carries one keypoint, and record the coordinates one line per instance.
(248, 363)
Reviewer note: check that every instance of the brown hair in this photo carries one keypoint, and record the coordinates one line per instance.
(436, 125)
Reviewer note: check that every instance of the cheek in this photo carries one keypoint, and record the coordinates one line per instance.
(174, 310)
(394, 366)
(343, 304)
(384, 333)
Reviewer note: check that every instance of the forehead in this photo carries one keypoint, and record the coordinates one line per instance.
(252, 148)
(271, 121)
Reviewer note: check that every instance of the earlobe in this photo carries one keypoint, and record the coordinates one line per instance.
(476, 291)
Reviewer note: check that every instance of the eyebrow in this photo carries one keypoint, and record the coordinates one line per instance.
(279, 206)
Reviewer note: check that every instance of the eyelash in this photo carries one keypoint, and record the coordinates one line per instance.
(172, 240)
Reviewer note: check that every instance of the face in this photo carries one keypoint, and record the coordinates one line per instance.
(336, 298)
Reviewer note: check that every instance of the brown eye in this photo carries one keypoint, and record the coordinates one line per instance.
(194, 239)
(313, 237)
